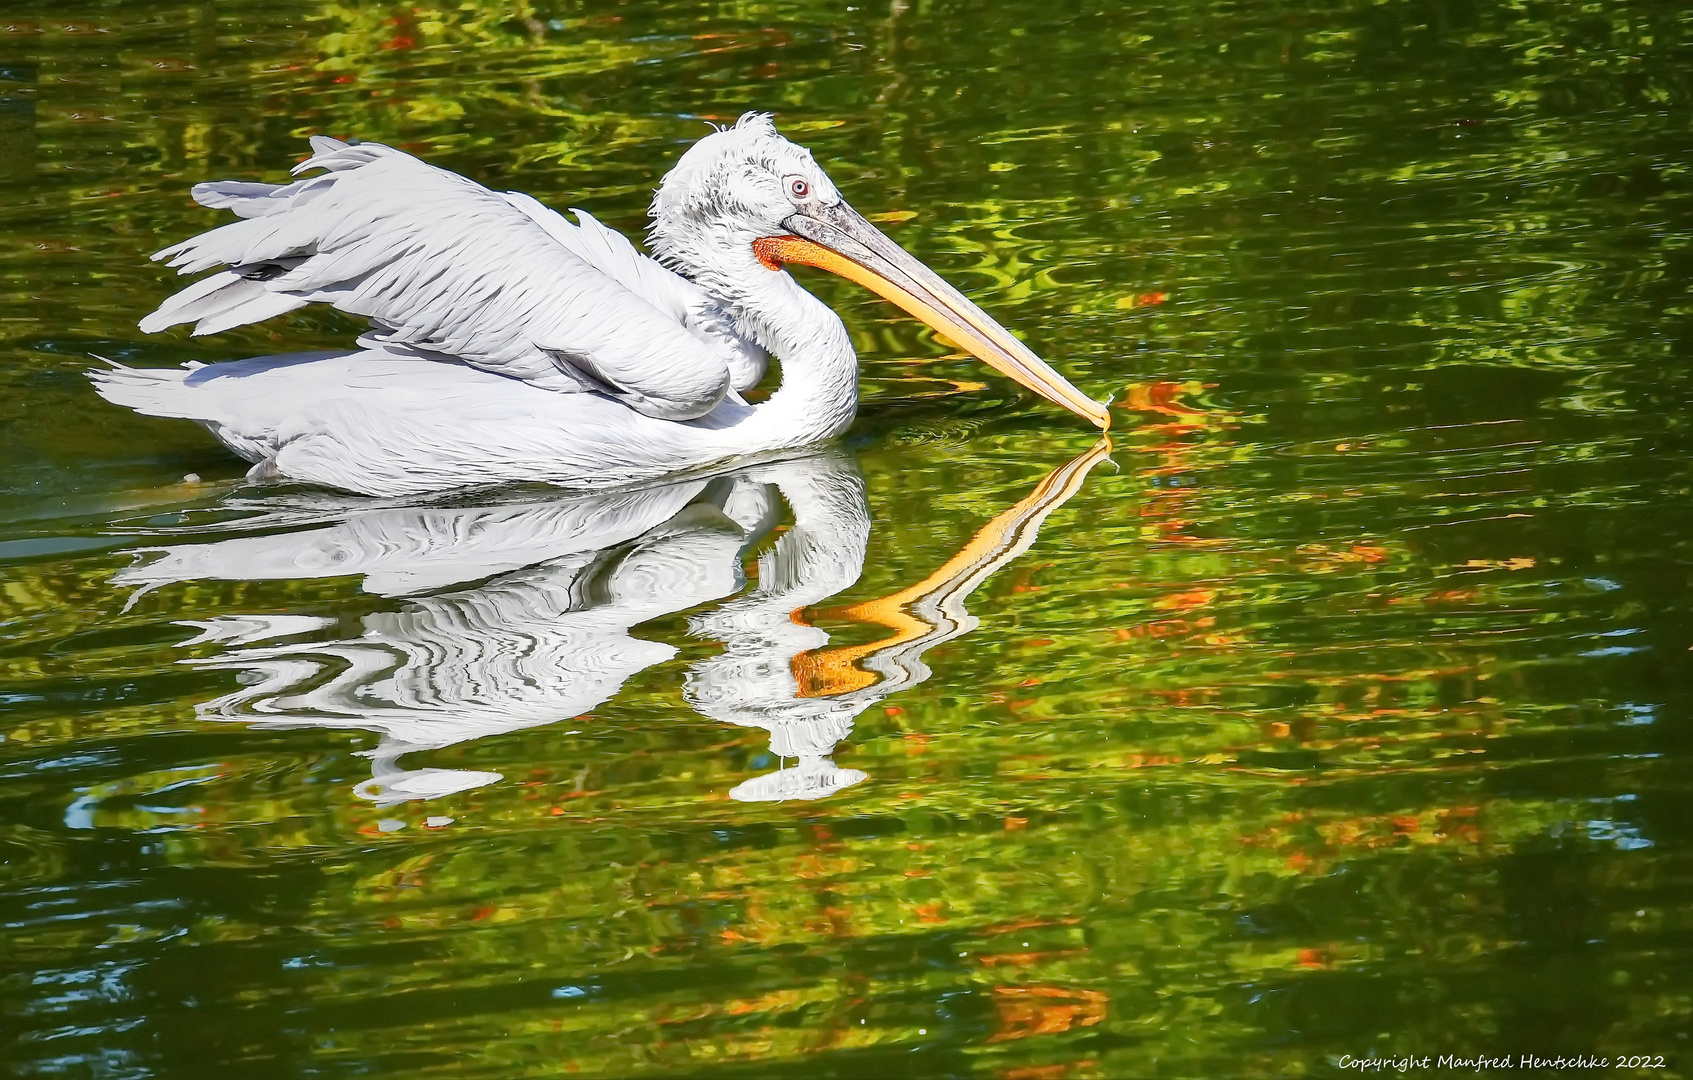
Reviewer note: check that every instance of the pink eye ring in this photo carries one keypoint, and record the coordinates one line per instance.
(798, 188)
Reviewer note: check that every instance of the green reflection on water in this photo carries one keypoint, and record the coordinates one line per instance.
(1340, 713)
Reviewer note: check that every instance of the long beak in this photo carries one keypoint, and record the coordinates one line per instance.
(838, 239)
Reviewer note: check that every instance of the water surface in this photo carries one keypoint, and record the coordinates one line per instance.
(1339, 706)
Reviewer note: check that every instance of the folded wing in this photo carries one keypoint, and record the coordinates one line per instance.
(676, 296)
(442, 264)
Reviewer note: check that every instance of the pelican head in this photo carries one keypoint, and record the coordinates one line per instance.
(744, 201)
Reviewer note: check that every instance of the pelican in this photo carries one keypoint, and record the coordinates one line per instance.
(510, 344)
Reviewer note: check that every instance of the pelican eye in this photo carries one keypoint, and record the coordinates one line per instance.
(798, 188)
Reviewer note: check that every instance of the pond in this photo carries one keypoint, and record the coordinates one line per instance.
(1335, 707)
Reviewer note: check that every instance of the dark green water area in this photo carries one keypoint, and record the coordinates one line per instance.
(1340, 706)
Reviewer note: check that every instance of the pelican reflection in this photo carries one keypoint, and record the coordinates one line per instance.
(523, 614)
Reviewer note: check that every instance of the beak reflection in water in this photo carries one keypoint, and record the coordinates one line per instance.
(838, 239)
(546, 635)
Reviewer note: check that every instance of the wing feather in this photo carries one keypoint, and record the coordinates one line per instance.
(612, 253)
(440, 263)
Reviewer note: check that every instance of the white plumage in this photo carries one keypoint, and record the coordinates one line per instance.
(444, 265)
(509, 344)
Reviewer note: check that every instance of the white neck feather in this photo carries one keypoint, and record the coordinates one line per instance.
(819, 391)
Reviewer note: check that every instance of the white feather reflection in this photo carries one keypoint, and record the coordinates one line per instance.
(545, 634)
(401, 551)
(752, 682)
(775, 672)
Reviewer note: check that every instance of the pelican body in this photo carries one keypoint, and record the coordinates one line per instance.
(511, 344)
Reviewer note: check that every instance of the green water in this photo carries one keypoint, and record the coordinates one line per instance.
(1344, 708)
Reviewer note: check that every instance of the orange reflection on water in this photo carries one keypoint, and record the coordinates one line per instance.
(1045, 1010)
(828, 672)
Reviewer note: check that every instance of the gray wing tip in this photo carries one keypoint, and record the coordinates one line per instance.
(336, 155)
(245, 198)
(112, 369)
(111, 381)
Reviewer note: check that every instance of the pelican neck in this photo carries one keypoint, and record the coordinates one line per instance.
(818, 395)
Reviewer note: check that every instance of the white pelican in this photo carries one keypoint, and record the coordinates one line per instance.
(509, 344)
